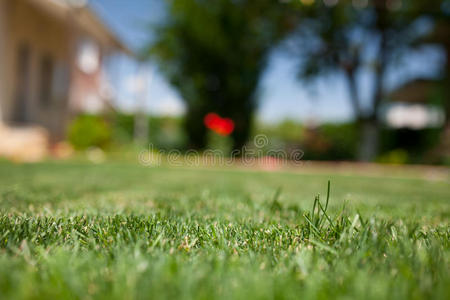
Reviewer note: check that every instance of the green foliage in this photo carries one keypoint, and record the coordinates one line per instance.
(167, 133)
(338, 37)
(288, 130)
(164, 132)
(343, 139)
(414, 144)
(339, 141)
(397, 157)
(331, 141)
(214, 53)
(219, 142)
(89, 131)
(325, 142)
(351, 38)
(123, 128)
(122, 231)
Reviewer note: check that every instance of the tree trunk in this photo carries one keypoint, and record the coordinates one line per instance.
(354, 95)
(369, 140)
(370, 126)
(194, 127)
(447, 90)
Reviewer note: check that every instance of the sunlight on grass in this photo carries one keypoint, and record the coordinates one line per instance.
(117, 231)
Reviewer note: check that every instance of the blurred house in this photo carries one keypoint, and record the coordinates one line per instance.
(417, 110)
(422, 106)
(53, 58)
(416, 105)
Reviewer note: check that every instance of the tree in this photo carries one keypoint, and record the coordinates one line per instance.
(213, 53)
(440, 35)
(352, 36)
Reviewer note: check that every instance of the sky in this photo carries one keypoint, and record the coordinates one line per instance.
(281, 95)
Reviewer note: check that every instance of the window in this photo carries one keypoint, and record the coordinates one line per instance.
(46, 79)
(22, 84)
(88, 59)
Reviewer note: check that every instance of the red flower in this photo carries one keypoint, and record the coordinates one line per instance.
(222, 126)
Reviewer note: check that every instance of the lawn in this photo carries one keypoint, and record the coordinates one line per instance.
(121, 231)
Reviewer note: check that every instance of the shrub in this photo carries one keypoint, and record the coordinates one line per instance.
(397, 157)
(122, 128)
(89, 131)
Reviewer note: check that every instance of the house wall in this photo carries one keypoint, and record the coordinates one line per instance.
(91, 92)
(45, 36)
(51, 31)
(3, 39)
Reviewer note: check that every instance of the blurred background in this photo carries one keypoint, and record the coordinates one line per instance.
(340, 80)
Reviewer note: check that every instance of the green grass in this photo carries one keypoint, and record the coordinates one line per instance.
(120, 231)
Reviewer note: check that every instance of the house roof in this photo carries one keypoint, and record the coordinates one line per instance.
(415, 91)
(84, 17)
